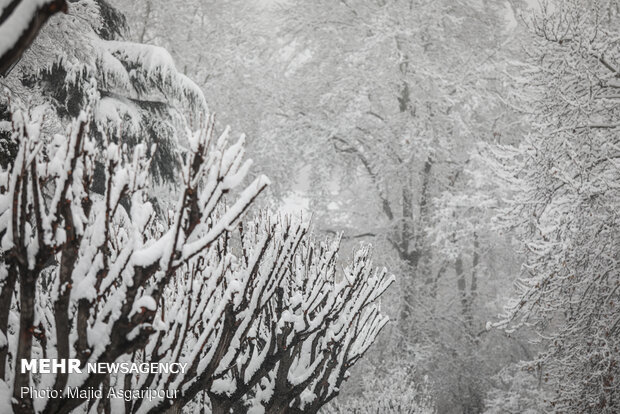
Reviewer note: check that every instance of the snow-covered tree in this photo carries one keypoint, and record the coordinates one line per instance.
(103, 275)
(564, 178)
(143, 96)
(230, 42)
(388, 100)
(340, 322)
(101, 278)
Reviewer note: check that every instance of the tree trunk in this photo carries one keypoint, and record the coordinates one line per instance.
(473, 290)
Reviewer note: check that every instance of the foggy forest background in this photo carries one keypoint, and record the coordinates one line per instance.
(473, 144)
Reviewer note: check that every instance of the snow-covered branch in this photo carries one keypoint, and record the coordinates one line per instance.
(20, 22)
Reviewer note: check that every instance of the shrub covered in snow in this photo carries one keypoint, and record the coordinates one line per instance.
(256, 311)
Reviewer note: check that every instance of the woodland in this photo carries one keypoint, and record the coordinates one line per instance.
(326, 206)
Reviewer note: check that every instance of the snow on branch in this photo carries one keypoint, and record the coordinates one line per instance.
(147, 67)
(20, 21)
